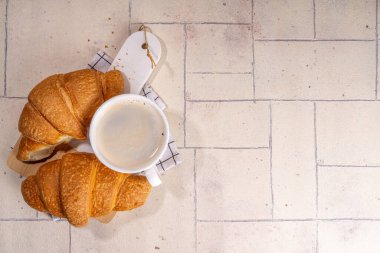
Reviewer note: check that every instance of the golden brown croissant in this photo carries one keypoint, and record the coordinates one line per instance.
(78, 187)
(60, 108)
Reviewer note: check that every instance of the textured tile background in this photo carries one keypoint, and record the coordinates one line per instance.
(274, 105)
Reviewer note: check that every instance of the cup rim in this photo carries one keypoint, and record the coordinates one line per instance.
(94, 123)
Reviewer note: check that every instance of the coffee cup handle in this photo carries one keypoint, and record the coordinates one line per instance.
(152, 176)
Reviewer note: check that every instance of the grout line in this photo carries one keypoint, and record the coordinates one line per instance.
(316, 162)
(253, 68)
(30, 219)
(287, 220)
(13, 97)
(129, 15)
(69, 237)
(252, 10)
(223, 147)
(317, 238)
(349, 219)
(219, 73)
(190, 23)
(254, 220)
(377, 53)
(6, 47)
(279, 100)
(220, 100)
(253, 53)
(314, 23)
(348, 166)
(271, 159)
(184, 86)
(315, 40)
(195, 203)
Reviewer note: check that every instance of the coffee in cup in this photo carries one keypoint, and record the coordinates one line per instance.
(129, 133)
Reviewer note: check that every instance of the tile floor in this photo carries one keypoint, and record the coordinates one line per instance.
(274, 105)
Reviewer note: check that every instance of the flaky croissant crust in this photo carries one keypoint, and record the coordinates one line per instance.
(78, 187)
(61, 107)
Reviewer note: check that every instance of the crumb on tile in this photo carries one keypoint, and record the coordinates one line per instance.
(105, 46)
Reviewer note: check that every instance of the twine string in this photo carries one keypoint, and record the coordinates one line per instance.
(145, 45)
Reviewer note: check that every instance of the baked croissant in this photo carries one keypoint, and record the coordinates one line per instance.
(78, 187)
(60, 108)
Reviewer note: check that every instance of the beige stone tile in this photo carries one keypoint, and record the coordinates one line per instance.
(233, 184)
(349, 237)
(293, 160)
(340, 187)
(348, 133)
(227, 124)
(219, 48)
(345, 19)
(46, 37)
(283, 19)
(336, 70)
(165, 223)
(226, 11)
(2, 45)
(34, 236)
(269, 237)
(219, 86)
(13, 204)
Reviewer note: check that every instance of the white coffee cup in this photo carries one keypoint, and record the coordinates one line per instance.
(148, 168)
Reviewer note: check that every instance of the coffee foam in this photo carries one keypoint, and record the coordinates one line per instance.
(129, 134)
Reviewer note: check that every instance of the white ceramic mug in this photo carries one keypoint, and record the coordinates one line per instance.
(149, 168)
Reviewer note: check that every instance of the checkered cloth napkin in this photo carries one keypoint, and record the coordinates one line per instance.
(171, 157)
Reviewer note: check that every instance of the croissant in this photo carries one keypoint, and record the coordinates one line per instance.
(78, 187)
(60, 108)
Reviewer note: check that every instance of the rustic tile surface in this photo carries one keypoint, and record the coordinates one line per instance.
(273, 104)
